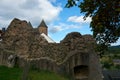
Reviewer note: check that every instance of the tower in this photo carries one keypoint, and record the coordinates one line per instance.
(43, 28)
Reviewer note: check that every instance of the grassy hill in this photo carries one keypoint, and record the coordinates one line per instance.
(110, 55)
(114, 49)
(16, 74)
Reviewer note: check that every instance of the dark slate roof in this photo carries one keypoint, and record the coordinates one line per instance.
(111, 74)
(43, 24)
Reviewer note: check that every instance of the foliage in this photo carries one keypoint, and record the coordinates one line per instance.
(108, 57)
(106, 62)
(105, 15)
(101, 48)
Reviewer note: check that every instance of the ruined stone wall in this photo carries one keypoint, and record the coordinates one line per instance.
(5, 57)
(75, 51)
(56, 52)
(95, 67)
(74, 60)
(44, 64)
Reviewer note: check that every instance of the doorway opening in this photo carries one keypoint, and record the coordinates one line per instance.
(81, 72)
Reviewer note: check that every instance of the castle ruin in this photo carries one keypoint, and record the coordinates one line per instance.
(74, 55)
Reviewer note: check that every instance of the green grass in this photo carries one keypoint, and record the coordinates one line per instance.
(10, 73)
(16, 74)
(45, 75)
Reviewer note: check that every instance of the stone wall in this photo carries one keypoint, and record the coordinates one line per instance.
(75, 53)
(3, 59)
(6, 58)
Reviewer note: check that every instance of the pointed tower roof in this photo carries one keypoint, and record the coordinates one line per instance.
(0, 31)
(29, 23)
(43, 24)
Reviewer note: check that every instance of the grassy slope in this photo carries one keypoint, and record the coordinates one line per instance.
(45, 75)
(10, 73)
(16, 74)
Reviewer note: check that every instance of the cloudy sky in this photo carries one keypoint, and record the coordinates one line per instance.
(60, 20)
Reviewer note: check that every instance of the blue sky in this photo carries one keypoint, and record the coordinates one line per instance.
(60, 20)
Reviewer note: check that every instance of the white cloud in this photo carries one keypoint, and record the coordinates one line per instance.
(3, 22)
(30, 10)
(55, 29)
(117, 42)
(63, 26)
(79, 19)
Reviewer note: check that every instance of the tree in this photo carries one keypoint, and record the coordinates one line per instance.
(105, 15)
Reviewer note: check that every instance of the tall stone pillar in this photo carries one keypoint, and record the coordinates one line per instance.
(95, 71)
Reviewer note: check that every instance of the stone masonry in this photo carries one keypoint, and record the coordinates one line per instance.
(74, 55)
